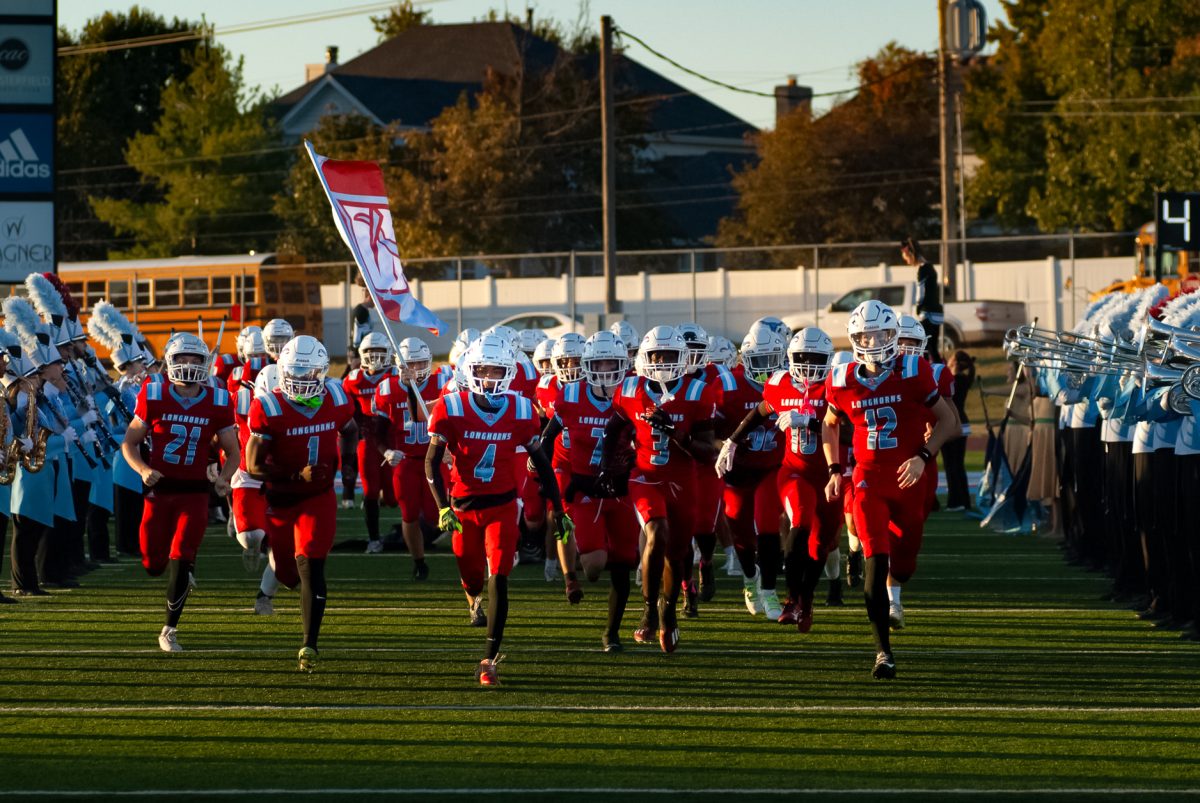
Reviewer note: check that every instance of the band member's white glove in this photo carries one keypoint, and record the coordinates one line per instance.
(792, 419)
(50, 390)
(88, 437)
(26, 444)
(89, 418)
(1105, 405)
(213, 471)
(725, 458)
(393, 457)
(70, 435)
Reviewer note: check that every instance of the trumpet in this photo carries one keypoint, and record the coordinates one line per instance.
(1157, 338)
(1071, 352)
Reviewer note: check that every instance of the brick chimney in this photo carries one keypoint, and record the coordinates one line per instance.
(791, 96)
(312, 71)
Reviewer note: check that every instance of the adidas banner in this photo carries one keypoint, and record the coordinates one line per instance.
(26, 148)
(360, 210)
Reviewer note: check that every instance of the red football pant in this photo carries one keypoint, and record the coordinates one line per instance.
(608, 524)
(487, 542)
(803, 499)
(889, 520)
(306, 528)
(752, 509)
(533, 504)
(249, 509)
(376, 479)
(707, 502)
(412, 491)
(671, 497)
(172, 528)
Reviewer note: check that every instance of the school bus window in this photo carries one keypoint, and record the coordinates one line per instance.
(222, 291)
(195, 292)
(314, 293)
(270, 292)
(93, 292)
(251, 290)
(293, 292)
(118, 293)
(166, 293)
(76, 289)
(143, 292)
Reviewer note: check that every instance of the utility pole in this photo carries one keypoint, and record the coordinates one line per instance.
(608, 135)
(945, 153)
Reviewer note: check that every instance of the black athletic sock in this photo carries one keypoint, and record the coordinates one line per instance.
(875, 591)
(177, 589)
(769, 558)
(707, 543)
(810, 575)
(312, 596)
(794, 563)
(748, 558)
(618, 595)
(497, 613)
(371, 511)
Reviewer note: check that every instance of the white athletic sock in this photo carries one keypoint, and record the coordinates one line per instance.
(269, 584)
(833, 564)
(894, 594)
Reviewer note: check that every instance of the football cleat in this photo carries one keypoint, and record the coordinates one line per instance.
(750, 595)
(167, 642)
(420, 572)
(264, 606)
(668, 631)
(308, 659)
(347, 504)
(896, 616)
(691, 600)
(804, 616)
(374, 547)
(612, 642)
(708, 581)
(478, 617)
(834, 598)
(485, 673)
(574, 591)
(644, 634)
(791, 612)
(885, 667)
(770, 605)
(854, 569)
(733, 565)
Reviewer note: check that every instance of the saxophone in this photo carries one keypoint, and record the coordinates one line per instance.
(8, 460)
(14, 455)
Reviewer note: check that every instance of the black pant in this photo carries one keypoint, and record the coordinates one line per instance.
(1145, 499)
(957, 489)
(1164, 466)
(127, 507)
(1089, 479)
(74, 539)
(934, 345)
(22, 555)
(1128, 568)
(1187, 478)
(97, 533)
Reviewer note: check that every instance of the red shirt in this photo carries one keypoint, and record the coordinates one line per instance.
(223, 366)
(549, 390)
(241, 416)
(526, 381)
(483, 444)
(361, 388)
(762, 448)
(803, 450)
(243, 375)
(888, 412)
(391, 401)
(181, 429)
(690, 405)
(298, 436)
(583, 416)
(546, 393)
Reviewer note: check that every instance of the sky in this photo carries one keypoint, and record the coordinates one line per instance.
(754, 44)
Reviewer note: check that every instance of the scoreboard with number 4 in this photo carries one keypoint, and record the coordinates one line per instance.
(1177, 220)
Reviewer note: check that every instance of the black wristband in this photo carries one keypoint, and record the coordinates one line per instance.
(835, 468)
(925, 454)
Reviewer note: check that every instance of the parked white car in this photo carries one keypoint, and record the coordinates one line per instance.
(554, 324)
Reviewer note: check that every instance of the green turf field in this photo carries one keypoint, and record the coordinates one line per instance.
(1012, 676)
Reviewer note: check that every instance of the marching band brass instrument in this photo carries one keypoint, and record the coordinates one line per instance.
(13, 455)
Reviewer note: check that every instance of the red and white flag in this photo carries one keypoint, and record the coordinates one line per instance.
(360, 210)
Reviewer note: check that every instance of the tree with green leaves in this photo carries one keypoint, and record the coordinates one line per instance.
(213, 157)
(864, 170)
(1084, 111)
(399, 18)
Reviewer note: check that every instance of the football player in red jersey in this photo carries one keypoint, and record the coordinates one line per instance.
(542, 358)
(254, 356)
(886, 399)
(672, 421)
(293, 449)
(749, 464)
(606, 527)
(249, 505)
(224, 364)
(180, 417)
(402, 437)
(375, 351)
(482, 427)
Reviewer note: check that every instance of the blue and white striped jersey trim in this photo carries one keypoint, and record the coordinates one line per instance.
(454, 405)
(220, 397)
(335, 390)
(728, 381)
(270, 405)
(524, 409)
(910, 366)
(695, 390)
(839, 373)
(154, 391)
(571, 392)
(629, 387)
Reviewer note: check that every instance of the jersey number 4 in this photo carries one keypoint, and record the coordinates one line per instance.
(881, 422)
(485, 469)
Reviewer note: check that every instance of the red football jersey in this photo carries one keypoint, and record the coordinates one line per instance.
(888, 412)
(762, 447)
(803, 446)
(526, 381)
(945, 386)
(690, 405)
(181, 429)
(391, 401)
(361, 388)
(549, 390)
(546, 393)
(223, 366)
(583, 416)
(241, 416)
(298, 436)
(243, 376)
(483, 444)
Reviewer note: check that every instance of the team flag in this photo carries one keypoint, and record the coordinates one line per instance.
(360, 210)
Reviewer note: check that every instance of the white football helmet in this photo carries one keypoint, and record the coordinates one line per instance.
(542, 358)
(672, 363)
(253, 344)
(762, 352)
(241, 340)
(912, 331)
(489, 351)
(303, 365)
(528, 340)
(604, 347)
(507, 333)
(627, 333)
(775, 325)
(810, 355)
(721, 351)
(567, 357)
(417, 359)
(187, 344)
(375, 351)
(277, 332)
(873, 331)
(461, 343)
(266, 380)
(697, 343)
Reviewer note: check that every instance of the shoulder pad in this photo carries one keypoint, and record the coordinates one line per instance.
(354, 374)
(454, 405)
(385, 388)
(336, 390)
(220, 397)
(938, 368)
(544, 382)
(839, 374)
(695, 390)
(728, 381)
(270, 404)
(243, 401)
(154, 391)
(629, 386)
(524, 409)
(910, 366)
(571, 392)
(778, 377)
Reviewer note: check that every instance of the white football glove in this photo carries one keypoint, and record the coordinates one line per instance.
(70, 435)
(725, 458)
(793, 419)
(393, 457)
